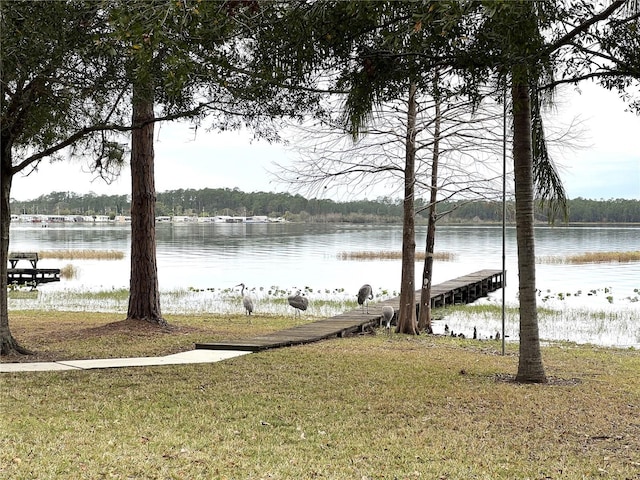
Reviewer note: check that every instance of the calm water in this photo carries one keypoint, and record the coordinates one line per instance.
(290, 256)
(298, 255)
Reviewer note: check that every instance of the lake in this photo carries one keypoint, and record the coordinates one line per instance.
(270, 257)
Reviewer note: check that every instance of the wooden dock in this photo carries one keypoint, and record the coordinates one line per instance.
(30, 276)
(465, 289)
(33, 276)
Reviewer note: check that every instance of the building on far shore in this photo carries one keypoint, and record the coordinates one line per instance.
(125, 219)
(45, 219)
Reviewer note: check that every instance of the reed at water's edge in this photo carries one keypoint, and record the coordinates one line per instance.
(82, 254)
(586, 257)
(593, 257)
(392, 255)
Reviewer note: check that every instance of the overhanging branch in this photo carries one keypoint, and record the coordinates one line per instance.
(584, 26)
(103, 127)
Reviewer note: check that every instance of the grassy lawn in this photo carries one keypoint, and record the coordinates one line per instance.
(365, 407)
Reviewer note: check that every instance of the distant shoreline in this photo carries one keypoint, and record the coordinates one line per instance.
(233, 203)
(46, 219)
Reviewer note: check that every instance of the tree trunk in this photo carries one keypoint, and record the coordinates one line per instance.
(407, 310)
(8, 344)
(424, 316)
(530, 368)
(144, 295)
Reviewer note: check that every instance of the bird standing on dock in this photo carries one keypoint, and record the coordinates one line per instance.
(298, 302)
(246, 300)
(387, 315)
(364, 295)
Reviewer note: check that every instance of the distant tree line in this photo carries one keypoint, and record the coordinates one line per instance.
(225, 201)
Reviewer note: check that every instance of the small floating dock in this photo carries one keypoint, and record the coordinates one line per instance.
(32, 276)
(465, 289)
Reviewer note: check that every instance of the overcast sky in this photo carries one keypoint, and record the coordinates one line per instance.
(607, 166)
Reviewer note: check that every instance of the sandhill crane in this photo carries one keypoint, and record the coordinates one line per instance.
(246, 300)
(387, 315)
(364, 295)
(298, 302)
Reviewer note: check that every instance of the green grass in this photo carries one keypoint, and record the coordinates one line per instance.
(359, 407)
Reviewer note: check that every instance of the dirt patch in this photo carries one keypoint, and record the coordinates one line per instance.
(51, 344)
(50, 356)
(552, 381)
(135, 327)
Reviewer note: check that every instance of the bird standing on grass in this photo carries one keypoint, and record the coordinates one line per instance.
(387, 315)
(364, 295)
(298, 302)
(246, 300)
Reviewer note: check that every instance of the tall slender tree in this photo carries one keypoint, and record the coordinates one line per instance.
(144, 293)
(190, 59)
(58, 89)
(529, 60)
(407, 321)
(87, 67)
(364, 43)
(424, 310)
(479, 40)
(530, 368)
(513, 31)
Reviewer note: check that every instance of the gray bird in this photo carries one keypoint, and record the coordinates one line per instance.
(298, 302)
(246, 300)
(387, 315)
(364, 295)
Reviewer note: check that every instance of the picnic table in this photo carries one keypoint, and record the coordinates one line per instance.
(15, 257)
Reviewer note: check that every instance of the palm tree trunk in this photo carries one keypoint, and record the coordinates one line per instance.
(530, 368)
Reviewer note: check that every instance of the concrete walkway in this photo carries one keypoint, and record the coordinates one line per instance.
(192, 356)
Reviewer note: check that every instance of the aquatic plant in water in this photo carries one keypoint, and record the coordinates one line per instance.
(600, 317)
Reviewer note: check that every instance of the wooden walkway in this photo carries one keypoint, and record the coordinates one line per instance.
(465, 289)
